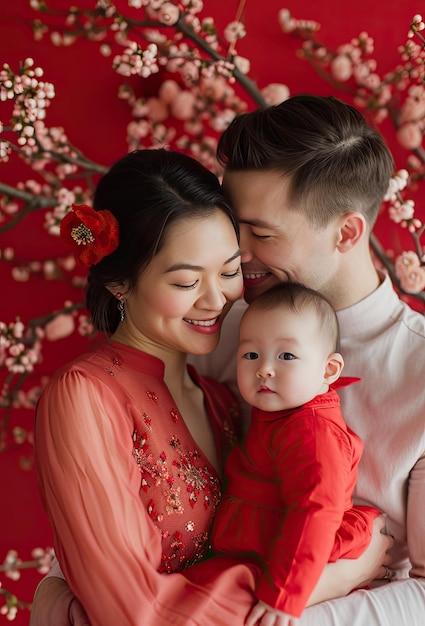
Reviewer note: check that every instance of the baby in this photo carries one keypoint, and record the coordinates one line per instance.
(288, 495)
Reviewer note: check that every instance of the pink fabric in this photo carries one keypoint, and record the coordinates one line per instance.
(129, 493)
(288, 498)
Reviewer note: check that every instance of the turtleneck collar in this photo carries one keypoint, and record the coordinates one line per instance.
(369, 315)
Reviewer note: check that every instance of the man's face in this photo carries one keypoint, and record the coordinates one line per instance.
(279, 243)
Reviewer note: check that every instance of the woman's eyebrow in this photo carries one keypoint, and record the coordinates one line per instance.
(198, 268)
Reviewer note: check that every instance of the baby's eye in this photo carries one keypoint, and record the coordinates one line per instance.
(286, 356)
(251, 356)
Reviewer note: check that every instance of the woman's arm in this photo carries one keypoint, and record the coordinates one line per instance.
(90, 486)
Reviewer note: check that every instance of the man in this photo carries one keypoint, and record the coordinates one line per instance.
(306, 179)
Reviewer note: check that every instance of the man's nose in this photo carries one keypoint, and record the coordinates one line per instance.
(246, 254)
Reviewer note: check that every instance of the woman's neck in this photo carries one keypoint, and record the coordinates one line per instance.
(176, 376)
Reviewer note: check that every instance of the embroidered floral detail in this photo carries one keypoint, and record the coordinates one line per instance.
(147, 420)
(197, 479)
(171, 478)
(200, 542)
(152, 396)
(175, 442)
(172, 498)
(229, 433)
(116, 363)
(174, 415)
(143, 460)
(156, 517)
(168, 561)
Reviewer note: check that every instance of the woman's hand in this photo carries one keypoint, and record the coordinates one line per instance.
(341, 577)
(375, 561)
(264, 615)
(55, 605)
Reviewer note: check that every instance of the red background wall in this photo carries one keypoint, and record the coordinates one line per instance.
(94, 118)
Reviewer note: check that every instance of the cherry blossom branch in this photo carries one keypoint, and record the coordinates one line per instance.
(12, 604)
(383, 258)
(12, 567)
(246, 83)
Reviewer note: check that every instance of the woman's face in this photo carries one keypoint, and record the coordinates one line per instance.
(181, 299)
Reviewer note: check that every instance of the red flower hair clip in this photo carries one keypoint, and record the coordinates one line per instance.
(90, 234)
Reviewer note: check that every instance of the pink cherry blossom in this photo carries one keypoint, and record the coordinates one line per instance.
(275, 93)
(410, 272)
(60, 327)
(401, 211)
(234, 31)
(397, 183)
(413, 108)
(409, 136)
(168, 14)
(242, 64)
(341, 68)
(157, 110)
(214, 87)
(183, 106)
(168, 90)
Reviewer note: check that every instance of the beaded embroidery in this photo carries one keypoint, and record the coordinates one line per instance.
(160, 478)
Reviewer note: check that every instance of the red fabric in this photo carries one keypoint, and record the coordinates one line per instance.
(288, 498)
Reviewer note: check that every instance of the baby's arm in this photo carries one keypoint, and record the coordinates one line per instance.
(264, 615)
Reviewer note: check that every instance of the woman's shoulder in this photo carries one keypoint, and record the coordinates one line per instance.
(95, 358)
(95, 366)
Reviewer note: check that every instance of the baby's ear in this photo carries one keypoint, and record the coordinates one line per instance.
(333, 369)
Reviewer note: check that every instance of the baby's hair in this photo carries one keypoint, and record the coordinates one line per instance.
(299, 298)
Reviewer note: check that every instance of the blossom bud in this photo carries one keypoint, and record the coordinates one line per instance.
(341, 68)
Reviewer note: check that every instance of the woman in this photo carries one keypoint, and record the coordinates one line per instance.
(129, 440)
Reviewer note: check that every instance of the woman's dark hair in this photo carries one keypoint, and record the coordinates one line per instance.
(334, 161)
(147, 191)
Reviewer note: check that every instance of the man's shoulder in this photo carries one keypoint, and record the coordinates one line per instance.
(413, 320)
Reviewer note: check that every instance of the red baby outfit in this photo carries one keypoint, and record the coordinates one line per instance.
(288, 498)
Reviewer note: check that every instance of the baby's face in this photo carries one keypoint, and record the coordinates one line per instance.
(282, 358)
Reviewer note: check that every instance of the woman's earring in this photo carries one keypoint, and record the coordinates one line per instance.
(121, 307)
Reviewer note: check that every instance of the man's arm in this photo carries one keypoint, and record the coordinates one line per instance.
(416, 519)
